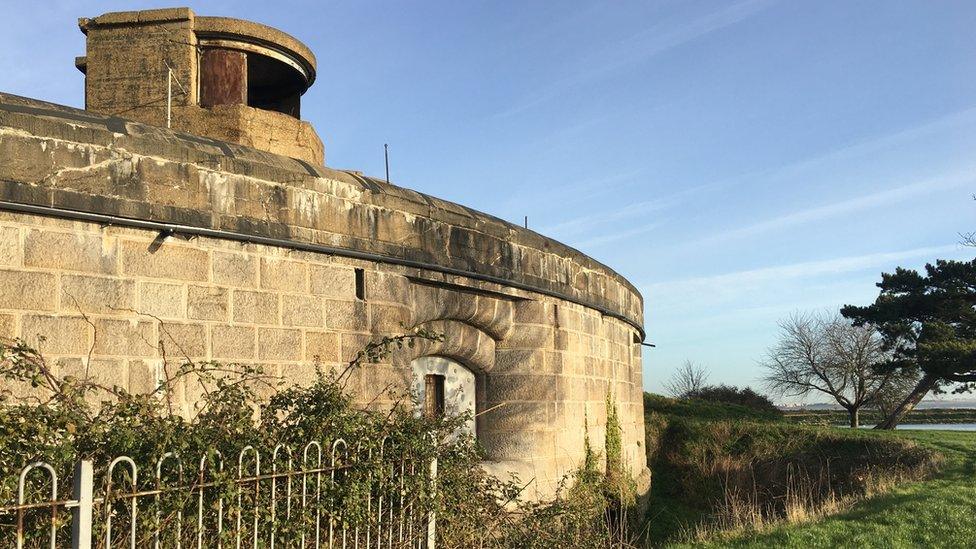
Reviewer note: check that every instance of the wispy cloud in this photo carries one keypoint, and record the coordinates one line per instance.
(845, 207)
(807, 166)
(791, 171)
(738, 280)
(558, 195)
(588, 222)
(601, 240)
(640, 47)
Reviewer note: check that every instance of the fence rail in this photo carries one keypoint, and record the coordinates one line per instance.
(330, 496)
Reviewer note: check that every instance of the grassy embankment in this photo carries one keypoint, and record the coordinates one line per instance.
(939, 512)
(728, 476)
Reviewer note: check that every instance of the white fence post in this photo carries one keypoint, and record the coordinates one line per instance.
(81, 515)
(432, 517)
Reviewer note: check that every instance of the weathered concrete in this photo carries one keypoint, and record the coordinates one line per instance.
(546, 332)
(129, 55)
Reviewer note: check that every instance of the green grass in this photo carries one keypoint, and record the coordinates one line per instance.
(940, 512)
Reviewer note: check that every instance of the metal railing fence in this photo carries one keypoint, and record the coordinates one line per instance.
(316, 496)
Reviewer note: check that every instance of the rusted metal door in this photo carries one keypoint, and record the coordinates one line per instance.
(223, 77)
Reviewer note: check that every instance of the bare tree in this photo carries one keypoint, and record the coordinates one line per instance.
(824, 353)
(689, 378)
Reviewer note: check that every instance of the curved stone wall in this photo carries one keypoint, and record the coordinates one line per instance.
(166, 245)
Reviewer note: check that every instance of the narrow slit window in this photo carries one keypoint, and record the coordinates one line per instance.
(434, 395)
(360, 285)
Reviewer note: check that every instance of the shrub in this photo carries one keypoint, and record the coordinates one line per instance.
(734, 395)
(71, 418)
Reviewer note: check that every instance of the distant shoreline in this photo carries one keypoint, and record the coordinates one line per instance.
(869, 417)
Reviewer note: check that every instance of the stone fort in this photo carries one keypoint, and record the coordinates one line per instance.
(188, 212)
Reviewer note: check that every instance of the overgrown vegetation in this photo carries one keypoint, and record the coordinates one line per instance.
(719, 469)
(729, 394)
(68, 418)
(934, 513)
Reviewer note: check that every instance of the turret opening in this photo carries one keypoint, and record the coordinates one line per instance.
(217, 77)
(273, 85)
(230, 77)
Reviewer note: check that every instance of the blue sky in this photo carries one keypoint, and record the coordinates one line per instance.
(737, 161)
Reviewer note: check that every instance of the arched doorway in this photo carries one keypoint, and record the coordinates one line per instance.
(444, 386)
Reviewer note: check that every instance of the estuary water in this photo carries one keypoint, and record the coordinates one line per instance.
(926, 426)
(939, 426)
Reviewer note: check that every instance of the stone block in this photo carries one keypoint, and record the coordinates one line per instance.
(168, 261)
(279, 344)
(508, 445)
(207, 303)
(124, 337)
(517, 416)
(142, 376)
(347, 316)
(383, 381)
(351, 344)
(519, 361)
(184, 341)
(283, 275)
(569, 318)
(528, 336)
(57, 335)
(255, 307)
(301, 374)
(571, 420)
(233, 342)
(542, 388)
(576, 390)
(70, 252)
(237, 270)
(596, 390)
(566, 341)
(532, 312)
(333, 282)
(388, 288)
(554, 362)
(92, 294)
(10, 250)
(302, 310)
(8, 327)
(106, 372)
(29, 291)
(322, 346)
(388, 319)
(162, 300)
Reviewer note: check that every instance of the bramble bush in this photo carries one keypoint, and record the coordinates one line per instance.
(60, 419)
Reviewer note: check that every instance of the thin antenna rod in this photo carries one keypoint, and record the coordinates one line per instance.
(170, 77)
(386, 157)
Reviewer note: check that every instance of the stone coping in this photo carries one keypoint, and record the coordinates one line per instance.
(263, 35)
(216, 27)
(222, 186)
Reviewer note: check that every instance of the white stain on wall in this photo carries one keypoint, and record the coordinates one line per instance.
(459, 386)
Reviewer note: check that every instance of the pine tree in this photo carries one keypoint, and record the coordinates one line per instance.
(929, 322)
